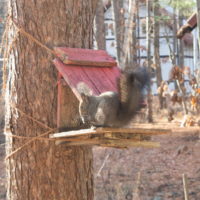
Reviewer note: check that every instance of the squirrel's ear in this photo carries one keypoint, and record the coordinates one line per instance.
(84, 97)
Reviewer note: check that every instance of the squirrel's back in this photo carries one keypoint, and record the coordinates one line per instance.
(114, 109)
(99, 110)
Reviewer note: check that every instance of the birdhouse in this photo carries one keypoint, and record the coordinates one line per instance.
(99, 71)
(93, 68)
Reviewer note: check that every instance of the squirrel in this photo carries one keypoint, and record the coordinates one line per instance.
(112, 109)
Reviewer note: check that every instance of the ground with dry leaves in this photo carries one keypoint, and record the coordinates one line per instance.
(150, 174)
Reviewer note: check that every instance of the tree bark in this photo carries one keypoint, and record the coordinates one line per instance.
(137, 4)
(100, 26)
(42, 170)
(128, 46)
(180, 43)
(149, 62)
(156, 29)
(119, 22)
(156, 38)
(132, 46)
(198, 19)
(174, 53)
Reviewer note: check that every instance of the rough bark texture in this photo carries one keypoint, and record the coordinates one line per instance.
(129, 39)
(137, 4)
(100, 26)
(118, 14)
(198, 19)
(42, 170)
(148, 35)
(135, 40)
(157, 42)
(174, 54)
(156, 38)
(132, 53)
(180, 44)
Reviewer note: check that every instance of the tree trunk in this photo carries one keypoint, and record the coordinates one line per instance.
(42, 170)
(128, 49)
(156, 29)
(118, 15)
(131, 60)
(100, 26)
(174, 53)
(198, 20)
(137, 4)
(148, 39)
(180, 43)
(156, 38)
(133, 45)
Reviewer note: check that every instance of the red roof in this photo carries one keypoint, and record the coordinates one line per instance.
(98, 79)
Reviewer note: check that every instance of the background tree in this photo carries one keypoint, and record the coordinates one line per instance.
(149, 61)
(156, 39)
(174, 51)
(181, 10)
(133, 49)
(119, 23)
(42, 170)
(137, 5)
(129, 51)
(198, 18)
(100, 26)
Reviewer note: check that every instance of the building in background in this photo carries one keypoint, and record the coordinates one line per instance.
(166, 31)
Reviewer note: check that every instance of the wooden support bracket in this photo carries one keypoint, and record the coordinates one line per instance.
(110, 137)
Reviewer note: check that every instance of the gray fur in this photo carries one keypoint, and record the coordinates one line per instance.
(99, 110)
(111, 109)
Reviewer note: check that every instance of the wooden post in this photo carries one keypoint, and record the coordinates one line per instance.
(185, 187)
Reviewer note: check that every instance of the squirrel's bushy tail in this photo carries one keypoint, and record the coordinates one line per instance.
(131, 91)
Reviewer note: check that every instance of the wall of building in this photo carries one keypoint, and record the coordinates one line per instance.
(165, 30)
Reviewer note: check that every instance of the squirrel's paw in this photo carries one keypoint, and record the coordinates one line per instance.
(93, 127)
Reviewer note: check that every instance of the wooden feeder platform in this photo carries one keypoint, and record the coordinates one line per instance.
(110, 137)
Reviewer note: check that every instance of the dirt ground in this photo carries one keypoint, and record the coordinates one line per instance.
(143, 173)
(150, 174)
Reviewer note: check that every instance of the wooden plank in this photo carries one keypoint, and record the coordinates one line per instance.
(108, 137)
(154, 131)
(82, 132)
(78, 142)
(113, 143)
(103, 137)
(73, 133)
(130, 143)
(85, 57)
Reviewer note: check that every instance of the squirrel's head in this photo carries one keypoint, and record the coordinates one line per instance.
(83, 108)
